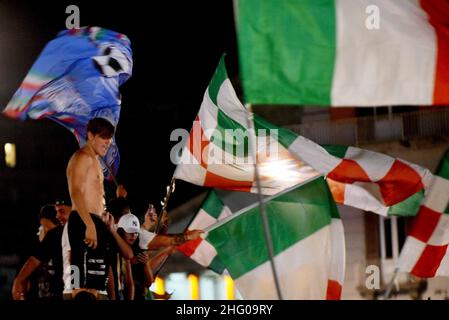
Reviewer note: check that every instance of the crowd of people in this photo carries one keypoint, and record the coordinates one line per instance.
(90, 249)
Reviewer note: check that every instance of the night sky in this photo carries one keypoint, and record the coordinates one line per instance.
(176, 47)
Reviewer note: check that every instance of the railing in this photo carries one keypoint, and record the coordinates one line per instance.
(355, 131)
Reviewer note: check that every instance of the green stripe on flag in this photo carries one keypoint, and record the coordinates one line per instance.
(409, 207)
(292, 217)
(218, 78)
(443, 171)
(213, 204)
(287, 50)
(230, 136)
(337, 151)
(216, 265)
(285, 136)
(443, 168)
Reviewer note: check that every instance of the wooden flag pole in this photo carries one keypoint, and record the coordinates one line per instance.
(263, 214)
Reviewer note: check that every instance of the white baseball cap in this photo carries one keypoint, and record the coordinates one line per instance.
(130, 223)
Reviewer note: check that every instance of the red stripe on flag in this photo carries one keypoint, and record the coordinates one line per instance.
(333, 290)
(348, 171)
(424, 224)
(189, 247)
(438, 11)
(429, 261)
(399, 183)
(337, 190)
(216, 181)
(198, 143)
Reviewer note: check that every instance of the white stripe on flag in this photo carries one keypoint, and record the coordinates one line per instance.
(411, 43)
(312, 153)
(443, 270)
(202, 220)
(230, 104)
(440, 235)
(365, 196)
(204, 253)
(438, 196)
(302, 270)
(376, 165)
(410, 254)
(208, 115)
(338, 262)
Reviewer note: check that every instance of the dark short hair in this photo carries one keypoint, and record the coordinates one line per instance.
(84, 296)
(48, 212)
(102, 127)
(63, 202)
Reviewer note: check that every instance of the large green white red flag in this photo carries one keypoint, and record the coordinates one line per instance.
(308, 243)
(217, 151)
(212, 210)
(216, 155)
(425, 251)
(344, 53)
(361, 178)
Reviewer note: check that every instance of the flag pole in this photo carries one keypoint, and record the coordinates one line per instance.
(234, 215)
(266, 228)
(391, 284)
(170, 189)
(110, 171)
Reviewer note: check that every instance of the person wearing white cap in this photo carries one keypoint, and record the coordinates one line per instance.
(141, 271)
(130, 223)
(137, 275)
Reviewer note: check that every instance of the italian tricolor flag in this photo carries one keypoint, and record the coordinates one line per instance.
(212, 210)
(344, 53)
(308, 242)
(217, 152)
(425, 253)
(360, 178)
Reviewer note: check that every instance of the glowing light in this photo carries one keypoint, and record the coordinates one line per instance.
(194, 286)
(279, 165)
(285, 170)
(229, 287)
(159, 286)
(10, 155)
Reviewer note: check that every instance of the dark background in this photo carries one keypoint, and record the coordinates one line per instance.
(176, 47)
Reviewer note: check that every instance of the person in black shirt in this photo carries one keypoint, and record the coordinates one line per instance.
(118, 207)
(46, 261)
(63, 209)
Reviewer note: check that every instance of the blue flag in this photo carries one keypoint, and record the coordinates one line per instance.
(77, 78)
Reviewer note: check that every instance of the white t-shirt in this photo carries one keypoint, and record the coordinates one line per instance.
(66, 275)
(145, 238)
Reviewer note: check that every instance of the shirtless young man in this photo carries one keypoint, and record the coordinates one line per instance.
(89, 241)
(85, 176)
